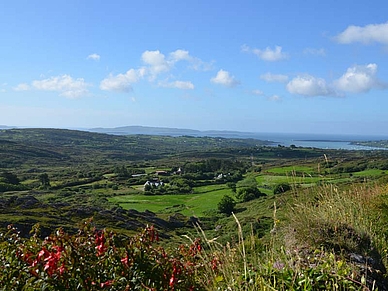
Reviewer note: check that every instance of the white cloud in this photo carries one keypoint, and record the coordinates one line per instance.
(359, 79)
(184, 85)
(22, 87)
(261, 93)
(180, 55)
(65, 85)
(257, 92)
(310, 86)
(267, 54)
(224, 78)
(94, 57)
(275, 98)
(315, 52)
(122, 82)
(156, 62)
(195, 63)
(268, 77)
(366, 34)
(356, 79)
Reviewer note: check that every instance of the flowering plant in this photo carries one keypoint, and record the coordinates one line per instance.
(97, 260)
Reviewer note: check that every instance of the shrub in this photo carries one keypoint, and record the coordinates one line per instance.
(248, 194)
(281, 188)
(226, 205)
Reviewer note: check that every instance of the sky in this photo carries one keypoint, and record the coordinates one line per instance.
(253, 66)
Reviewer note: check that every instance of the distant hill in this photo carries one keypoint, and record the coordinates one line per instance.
(50, 146)
(165, 131)
(6, 127)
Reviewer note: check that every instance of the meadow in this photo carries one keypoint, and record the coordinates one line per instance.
(203, 199)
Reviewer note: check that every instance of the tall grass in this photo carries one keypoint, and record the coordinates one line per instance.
(330, 239)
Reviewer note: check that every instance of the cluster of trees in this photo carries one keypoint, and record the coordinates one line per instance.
(214, 165)
(227, 204)
(355, 166)
(9, 182)
(125, 172)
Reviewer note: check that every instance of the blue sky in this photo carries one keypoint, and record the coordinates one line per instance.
(257, 66)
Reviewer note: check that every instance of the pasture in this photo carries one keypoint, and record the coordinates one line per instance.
(204, 198)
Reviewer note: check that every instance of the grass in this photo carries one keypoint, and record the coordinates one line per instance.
(313, 239)
(204, 198)
(270, 180)
(369, 173)
(290, 170)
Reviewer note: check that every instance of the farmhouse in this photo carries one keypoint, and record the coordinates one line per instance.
(155, 184)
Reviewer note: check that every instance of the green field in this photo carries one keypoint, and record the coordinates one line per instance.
(291, 170)
(369, 173)
(268, 180)
(204, 199)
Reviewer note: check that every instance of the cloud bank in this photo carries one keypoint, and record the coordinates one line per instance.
(65, 85)
(372, 33)
(356, 79)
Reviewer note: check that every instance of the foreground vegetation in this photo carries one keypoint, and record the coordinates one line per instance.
(86, 211)
(331, 240)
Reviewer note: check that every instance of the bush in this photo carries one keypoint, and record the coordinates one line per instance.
(226, 205)
(281, 188)
(248, 194)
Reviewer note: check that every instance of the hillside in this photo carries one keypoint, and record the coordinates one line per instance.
(304, 212)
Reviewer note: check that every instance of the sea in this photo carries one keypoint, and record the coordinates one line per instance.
(323, 141)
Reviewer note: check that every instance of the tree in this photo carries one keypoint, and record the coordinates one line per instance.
(226, 205)
(44, 180)
(122, 172)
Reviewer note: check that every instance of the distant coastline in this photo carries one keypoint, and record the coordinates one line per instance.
(322, 141)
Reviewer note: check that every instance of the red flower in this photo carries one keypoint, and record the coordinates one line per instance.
(100, 247)
(172, 281)
(106, 284)
(125, 260)
(62, 269)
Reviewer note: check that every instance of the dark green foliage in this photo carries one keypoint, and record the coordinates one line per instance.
(232, 186)
(10, 182)
(9, 178)
(213, 165)
(11, 187)
(281, 188)
(181, 185)
(226, 205)
(248, 194)
(122, 172)
(44, 180)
